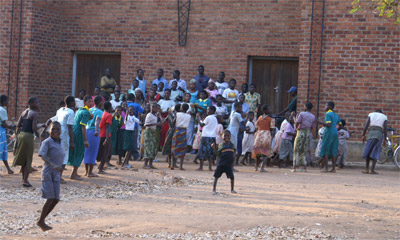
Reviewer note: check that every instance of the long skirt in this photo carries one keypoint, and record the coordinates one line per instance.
(119, 146)
(207, 148)
(93, 149)
(164, 130)
(190, 134)
(286, 150)
(150, 143)
(142, 142)
(262, 143)
(277, 143)
(24, 151)
(166, 149)
(179, 142)
(330, 144)
(247, 143)
(3, 145)
(128, 143)
(301, 147)
(372, 149)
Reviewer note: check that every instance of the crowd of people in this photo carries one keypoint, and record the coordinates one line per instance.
(219, 123)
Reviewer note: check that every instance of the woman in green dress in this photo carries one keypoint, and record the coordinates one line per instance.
(330, 142)
(77, 153)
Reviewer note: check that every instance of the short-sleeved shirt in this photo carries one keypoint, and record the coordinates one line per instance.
(180, 83)
(293, 105)
(223, 110)
(221, 87)
(130, 122)
(3, 114)
(163, 80)
(150, 119)
(334, 119)
(234, 124)
(105, 81)
(65, 116)
(183, 119)
(137, 107)
(203, 83)
(106, 118)
(204, 103)
(166, 104)
(288, 129)
(343, 136)
(175, 94)
(213, 94)
(220, 130)
(210, 127)
(306, 120)
(97, 113)
(265, 123)
(377, 119)
(230, 94)
(253, 100)
(226, 154)
(193, 96)
(53, 152)
(78, 103)
(115, 104)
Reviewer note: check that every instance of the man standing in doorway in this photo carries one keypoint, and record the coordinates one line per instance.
(201, 79)
(107, 82)
(160, 78)
(293, 104)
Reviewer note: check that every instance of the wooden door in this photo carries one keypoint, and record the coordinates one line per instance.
(91, 67)
(273, 79)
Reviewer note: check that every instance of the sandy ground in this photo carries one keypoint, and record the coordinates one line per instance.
(161, 203)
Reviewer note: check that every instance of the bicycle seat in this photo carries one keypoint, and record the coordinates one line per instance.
(391, 129)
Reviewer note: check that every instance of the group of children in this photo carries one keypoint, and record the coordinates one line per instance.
(215, 123)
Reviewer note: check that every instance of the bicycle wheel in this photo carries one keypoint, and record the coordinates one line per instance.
(396, 158)
(384, 154)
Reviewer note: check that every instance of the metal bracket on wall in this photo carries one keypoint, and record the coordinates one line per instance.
(183, 21)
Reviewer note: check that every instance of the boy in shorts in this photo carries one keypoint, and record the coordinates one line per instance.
(226, 157)
(52, 153)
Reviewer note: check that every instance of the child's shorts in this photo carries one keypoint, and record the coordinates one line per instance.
(51, 185)
(228, 170)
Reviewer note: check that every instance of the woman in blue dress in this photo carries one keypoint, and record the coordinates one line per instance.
(330, 142)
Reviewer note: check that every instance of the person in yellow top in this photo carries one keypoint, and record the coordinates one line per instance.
(107, 82)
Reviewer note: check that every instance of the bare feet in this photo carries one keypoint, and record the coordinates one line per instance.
(10, 172)
(93, 175)
(152, 167)
(262, 170)
(373, 172)
(233, 191)
(214, 193)
(43, 226)
(62, 181)
(365, 171)
(26, 184)
(146, 167)
(75, 177)
(199, 169)
(209, 169)
(100, 172)
(332, 171)
(181, 169)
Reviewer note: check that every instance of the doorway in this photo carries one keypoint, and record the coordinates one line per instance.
(88, 68)
(273, 79)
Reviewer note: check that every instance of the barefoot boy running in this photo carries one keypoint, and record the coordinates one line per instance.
(226, 156)
(52, 153)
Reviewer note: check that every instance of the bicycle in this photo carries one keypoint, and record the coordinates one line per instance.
(391, 151)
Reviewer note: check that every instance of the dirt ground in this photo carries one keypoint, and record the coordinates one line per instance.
(141, 204)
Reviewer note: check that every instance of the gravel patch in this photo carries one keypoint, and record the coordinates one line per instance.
(290, 233)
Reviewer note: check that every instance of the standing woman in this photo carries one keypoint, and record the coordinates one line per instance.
(166, 149)
(3, 130)
(262, 138)
(305, 122)
(330, 142)
(76, 154)
(24, 153)
(179, 136)
(149, 136)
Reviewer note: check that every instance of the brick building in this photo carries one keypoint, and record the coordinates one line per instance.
(48, 49)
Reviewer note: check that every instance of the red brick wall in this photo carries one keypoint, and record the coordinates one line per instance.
(360, 65)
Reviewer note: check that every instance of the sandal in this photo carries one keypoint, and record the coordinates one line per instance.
(27, 185)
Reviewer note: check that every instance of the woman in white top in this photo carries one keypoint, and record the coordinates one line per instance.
(149, 136)
(130, 122)
(179, 140)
